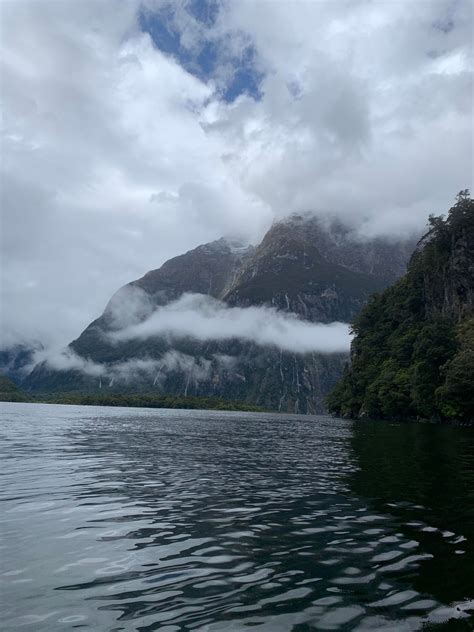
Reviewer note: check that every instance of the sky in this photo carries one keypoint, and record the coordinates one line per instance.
(133, 131)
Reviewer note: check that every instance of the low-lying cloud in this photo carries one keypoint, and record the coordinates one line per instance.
(200, 318)
(153, 370)
(203, 318)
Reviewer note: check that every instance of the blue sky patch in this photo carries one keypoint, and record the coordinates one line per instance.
(241, 76)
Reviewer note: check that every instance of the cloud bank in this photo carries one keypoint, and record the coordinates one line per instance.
(120, 151)
(203, 318)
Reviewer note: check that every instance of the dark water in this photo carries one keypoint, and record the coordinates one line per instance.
(119, 519)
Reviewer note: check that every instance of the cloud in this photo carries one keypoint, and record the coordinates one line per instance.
(152, 370)
(105, 163)
(66, 360)
(116, 156)
(130, 305)
(197, 317)
(203, 318)
(366, 110)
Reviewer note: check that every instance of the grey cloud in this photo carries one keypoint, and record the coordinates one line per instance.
(371, 106)
(152, 370)
(115, 158)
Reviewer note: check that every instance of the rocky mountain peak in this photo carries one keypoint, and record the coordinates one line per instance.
(317, 268)
(340, 244)
(226, 246)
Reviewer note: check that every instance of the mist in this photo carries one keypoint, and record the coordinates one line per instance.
(197, 317)
(152, 370)
(203, 318)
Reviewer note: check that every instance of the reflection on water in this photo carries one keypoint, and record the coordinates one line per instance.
(118, 519)
(424, 476)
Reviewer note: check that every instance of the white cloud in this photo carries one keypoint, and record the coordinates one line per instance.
(152, 370)
(115, 158)
(66, 360)
(359, 114)
(200, 318)
(203, 318)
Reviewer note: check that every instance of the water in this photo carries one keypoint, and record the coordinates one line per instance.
(123, 519)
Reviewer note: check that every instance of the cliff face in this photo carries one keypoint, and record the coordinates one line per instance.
(321, 273)
(413, 354)
(447, 265)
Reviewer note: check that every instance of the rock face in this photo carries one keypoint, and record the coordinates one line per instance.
(321, 273)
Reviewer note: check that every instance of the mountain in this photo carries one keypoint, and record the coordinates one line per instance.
(17, 359)
(319, 271)
(208, 269)
(413, 352)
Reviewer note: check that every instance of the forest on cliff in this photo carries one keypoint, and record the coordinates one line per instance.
(413, 351)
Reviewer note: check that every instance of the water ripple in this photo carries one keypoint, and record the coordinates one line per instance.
(115, 519)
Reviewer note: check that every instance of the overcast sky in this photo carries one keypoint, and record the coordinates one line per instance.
(132, 132)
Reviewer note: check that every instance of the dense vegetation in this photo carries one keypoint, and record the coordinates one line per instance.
(10, 393)
(148, 400)
(413, 351)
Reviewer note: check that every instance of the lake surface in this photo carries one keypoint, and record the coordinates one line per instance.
(125, 519)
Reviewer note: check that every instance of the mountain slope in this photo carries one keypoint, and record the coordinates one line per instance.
(208, 269)
(17, 359)
(321, 273)
(413, 354)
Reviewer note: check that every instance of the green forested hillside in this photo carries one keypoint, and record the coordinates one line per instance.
(413, 351)
(9, 392)
(146, 400)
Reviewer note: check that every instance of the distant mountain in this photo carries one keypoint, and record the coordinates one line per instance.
(16, 360)
(413, 354)
(318, 271)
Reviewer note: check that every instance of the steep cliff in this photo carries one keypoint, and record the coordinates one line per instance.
(321, 271)
(413, 352)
